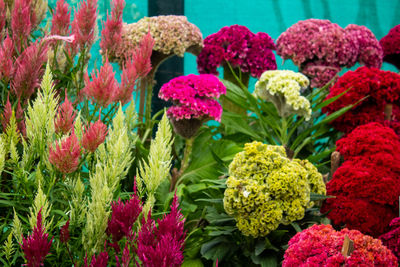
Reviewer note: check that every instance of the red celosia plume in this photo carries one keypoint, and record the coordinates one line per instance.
(64, 121)
(65, 154)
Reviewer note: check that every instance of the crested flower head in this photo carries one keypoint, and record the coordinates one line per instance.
(123, 217)
(64, 121)
(61, 19)
(103, 88)
(391, 46)
(265, 188)
(391, 239)
(94, 136)
(236, 44)
(36, 246)
(173, 35)
(321, 245)
(84, 23)
(282, 88)
(65, 154)
(193, 97)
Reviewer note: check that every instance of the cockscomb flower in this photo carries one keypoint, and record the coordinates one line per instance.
(84, 24)
(123, 217)
(65, 154)
(265, 188)
(64, 121)
(64, 233)
(21, 24)
(236, 44)
(391, 46)
(321, 48)
(391, 239)
(282, 88)
(321, 245)
(36, 246)
(193, 98)
(111, 34)
(380, 87)
(94, 136)
(100, 260)
(162, 246)
(61, 19)
(6, 59)
(173, 35)
(103, 88)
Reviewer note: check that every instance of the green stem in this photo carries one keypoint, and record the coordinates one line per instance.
(184, 163)
(284, 135)
(149, 89)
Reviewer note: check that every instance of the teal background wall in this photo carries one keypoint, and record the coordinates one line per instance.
(270, 16)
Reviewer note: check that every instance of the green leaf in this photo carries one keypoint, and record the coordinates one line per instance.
(193, 188)
(192, 263)
(260, 247)
(215, 249)
(265, 260)
(236, 121)
(296, 226)
(316, 197)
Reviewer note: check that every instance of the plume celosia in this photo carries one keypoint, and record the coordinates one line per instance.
(64, 233)
(3, 13)
(64, 121)
(141, 55)
(36, 246)
(111, 34)
(100, 261)
(94, 136)
(6, 59)
(84, 24)
(103, 88)
(123, 217)
(65, 154)
(21, 24)
(61, 19)
(162, 246)
(28, 70)
(19, 117)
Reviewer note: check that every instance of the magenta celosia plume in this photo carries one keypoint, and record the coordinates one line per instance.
(18, 114)
(111, 34)
(391, 239)
(320, 48)
(37, 245)
(321, 245)
(64, 233)
(251, 53)
(65, 154)
(64, 121)
(61, 19)
(101, 260)
(391, 46)
(94, 136)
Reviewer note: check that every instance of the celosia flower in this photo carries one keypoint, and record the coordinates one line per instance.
(111, 34)
(391, 239)
(21, 24)
(64, 121)
(282, 88)
(103, 88)
(236, 44)
(100, 260)
(321, 245)
(193, 99)
(173, 35)
(391, 46)
(36, 246)
(162, 246)
(381, 87)
(94, 136)
(65, 154)
(123, 217)
(61, 19)
(19, 117)
(3, 13)
(28, 70)
(265, 188)
(321, 48)
(64, 233)
(84, 23)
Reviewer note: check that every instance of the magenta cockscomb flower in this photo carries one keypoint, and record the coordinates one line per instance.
(162, 246)
(37, 245)
(193, 98)
(64, 233)
(94, 136)
(391, 239)
(241, 48)
(6, 59)
(111, 34)
(84, 24)
(28, 70)
(21, 22)
(391, 46)
(103, 88)
(64, 121)
(65, 154)
(61, 19)
(100, 260)
(123, 217)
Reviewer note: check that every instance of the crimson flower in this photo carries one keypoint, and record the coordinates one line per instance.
(391, 239)
(65, 154)
(64, 233)
(36, 246)
(100, 261)
(64, 121)
(94, 136)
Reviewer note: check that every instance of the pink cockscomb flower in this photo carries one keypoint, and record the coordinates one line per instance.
(123, 217)
(21, 22)
(391, 46)
(36, 246)
(162, 246)
(61, 19)
(65, 154)
(241, 48)
(6, 59)
(103, 88)
(64, 121)
(391, 239)
(84, 24)
(94, 136)
(193, 98)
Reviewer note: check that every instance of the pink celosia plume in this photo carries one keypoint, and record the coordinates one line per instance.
(111, 34)
(2, 15)
(36, 246)
(6, 59)
(21, 22)
(84, 24)
(61, 19)
(65, 154)
(19, 117)
(64, 121)
(94, 136)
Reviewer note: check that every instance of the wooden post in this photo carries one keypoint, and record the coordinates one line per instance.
(348, 246)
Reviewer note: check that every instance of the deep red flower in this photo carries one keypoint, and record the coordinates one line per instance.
(36, 246)
(391, 239)
(64, 233)
(61, 19)
(391, 46)
(94, 136)
(65, 154)
(100, 260)
(64, 121)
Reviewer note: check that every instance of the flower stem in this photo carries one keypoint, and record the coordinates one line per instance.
(184, 163)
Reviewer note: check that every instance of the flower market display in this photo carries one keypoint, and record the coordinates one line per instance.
(250, 164)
